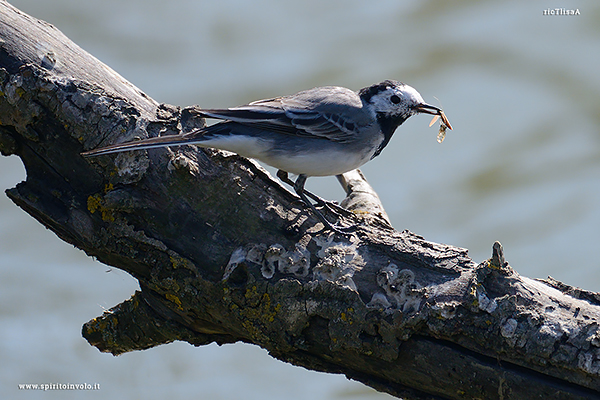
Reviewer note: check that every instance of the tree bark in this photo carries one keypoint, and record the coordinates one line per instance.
(225, 253)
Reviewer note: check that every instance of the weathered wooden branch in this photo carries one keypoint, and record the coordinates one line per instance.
(224, 253)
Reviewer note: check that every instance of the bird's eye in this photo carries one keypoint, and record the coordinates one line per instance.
(395, 99)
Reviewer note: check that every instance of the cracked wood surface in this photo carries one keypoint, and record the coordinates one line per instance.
(224, 253)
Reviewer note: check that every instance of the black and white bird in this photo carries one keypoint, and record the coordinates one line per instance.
(318, 132)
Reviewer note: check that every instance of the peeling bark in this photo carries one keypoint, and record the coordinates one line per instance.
(225, 253)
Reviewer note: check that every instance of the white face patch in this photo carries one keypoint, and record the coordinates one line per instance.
(411, 94)
(403, 104)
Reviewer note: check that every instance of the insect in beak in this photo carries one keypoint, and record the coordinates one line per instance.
(433, 110)
(438, 113)
(444, 120)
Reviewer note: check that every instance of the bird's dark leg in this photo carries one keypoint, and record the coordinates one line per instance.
(321, 201)
(300, 191)
(331, 205)
(285, 179)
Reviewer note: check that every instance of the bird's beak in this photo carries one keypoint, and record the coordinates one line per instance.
(433, 110)
(428, 109)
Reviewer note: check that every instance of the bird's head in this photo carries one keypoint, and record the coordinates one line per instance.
(396, 100)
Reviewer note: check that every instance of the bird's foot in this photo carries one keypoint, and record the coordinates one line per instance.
(331, 206)
(342, 230)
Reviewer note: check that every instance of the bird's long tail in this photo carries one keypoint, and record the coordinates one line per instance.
(161, 141)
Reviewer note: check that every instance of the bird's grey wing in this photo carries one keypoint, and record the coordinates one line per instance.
(306, 114)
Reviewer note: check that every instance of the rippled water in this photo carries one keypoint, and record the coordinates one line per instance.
(522, 165)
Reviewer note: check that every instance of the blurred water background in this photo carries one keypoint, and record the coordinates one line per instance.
(522, 165)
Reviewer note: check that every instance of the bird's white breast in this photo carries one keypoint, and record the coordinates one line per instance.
(247, 146)
(318, 163)
(333, 159)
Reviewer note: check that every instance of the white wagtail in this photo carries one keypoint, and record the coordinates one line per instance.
(318, 132)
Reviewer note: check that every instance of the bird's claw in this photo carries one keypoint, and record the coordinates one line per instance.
(342, 230)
